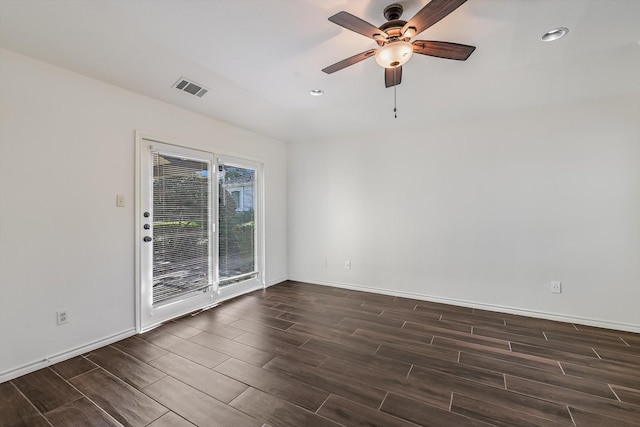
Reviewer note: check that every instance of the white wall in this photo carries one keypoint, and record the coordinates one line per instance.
(66, 150)
(484, 211)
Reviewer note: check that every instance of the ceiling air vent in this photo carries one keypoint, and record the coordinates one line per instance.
(191, 87)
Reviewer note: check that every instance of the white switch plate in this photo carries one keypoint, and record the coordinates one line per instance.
(347, 265)
(120, 200)
(556, 287)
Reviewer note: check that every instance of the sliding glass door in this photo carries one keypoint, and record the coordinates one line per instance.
(198, 227)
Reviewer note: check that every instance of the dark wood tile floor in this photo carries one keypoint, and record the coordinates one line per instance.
(305, 355)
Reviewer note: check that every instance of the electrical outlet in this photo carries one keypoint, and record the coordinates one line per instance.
(62, 317)
(347, 265)
(556, 287)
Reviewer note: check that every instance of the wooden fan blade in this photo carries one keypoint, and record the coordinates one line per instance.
(392, 76)
(349, 61)
(445, 50)
(353, 23)
(433, 12)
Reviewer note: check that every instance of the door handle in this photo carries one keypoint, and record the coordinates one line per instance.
(147, 238)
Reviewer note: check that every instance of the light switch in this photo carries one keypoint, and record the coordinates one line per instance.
(120, 200)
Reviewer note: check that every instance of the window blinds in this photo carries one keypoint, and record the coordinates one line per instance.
(181, 226)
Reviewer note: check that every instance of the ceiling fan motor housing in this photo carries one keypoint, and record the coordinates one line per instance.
(393, 26)
(393, 29)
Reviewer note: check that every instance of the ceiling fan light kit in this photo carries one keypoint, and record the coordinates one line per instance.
(394, 38)
(394, 54)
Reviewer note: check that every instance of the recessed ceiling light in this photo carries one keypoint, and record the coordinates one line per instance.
(554, 34)
(316, 92)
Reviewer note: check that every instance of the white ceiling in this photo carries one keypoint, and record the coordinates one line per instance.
(260, 58)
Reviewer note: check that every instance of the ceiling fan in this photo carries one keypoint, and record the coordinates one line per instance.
(394, 35)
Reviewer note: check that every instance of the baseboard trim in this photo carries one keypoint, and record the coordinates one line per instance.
(276, 281)
(68, 354)
(62, 356)
(472, 304)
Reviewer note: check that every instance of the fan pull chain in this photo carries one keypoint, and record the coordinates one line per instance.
(395, 102)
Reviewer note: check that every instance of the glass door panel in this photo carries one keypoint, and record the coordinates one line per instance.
(181, 217)
(175, 226)
(237, 224)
